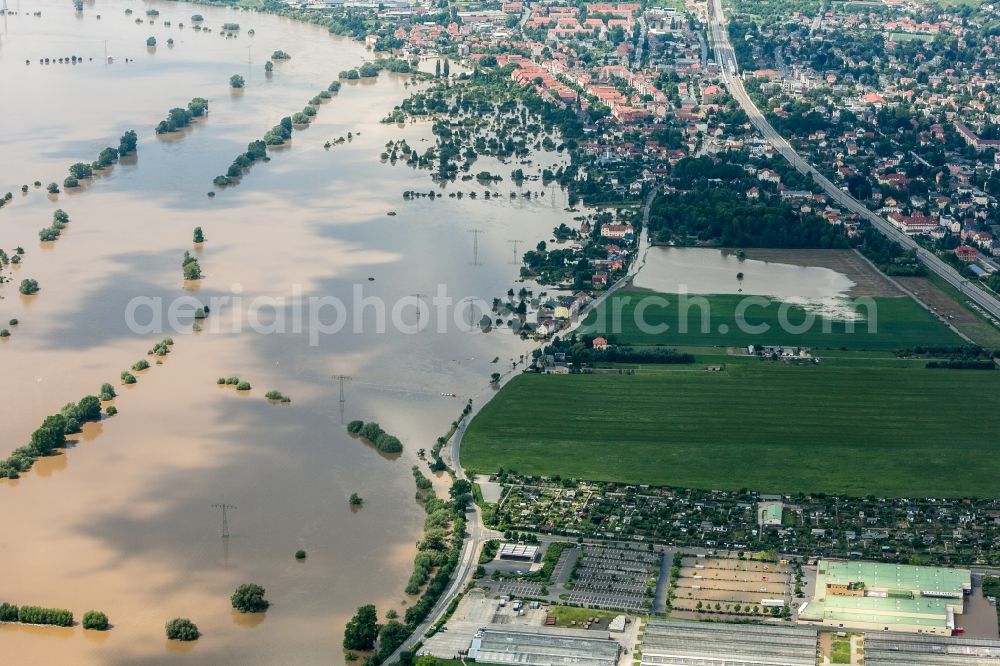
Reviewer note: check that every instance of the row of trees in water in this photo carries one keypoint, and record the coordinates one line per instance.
(257, 150)
(247, 598)
(108, 156)
(59, 221)
(51, 435)
(178, 118)
(438, 552)
(373, 432)
(59, 617)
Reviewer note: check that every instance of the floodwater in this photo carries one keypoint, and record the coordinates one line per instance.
(123, 521)
(713, 271)
(980, 617)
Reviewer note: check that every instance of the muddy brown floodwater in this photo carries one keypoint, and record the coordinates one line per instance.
(122, 520)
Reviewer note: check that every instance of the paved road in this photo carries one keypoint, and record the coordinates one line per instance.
(663, 582)
(730, 75)
(478, 534)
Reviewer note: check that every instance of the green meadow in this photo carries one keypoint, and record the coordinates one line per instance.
(642, 318)
(893, 428)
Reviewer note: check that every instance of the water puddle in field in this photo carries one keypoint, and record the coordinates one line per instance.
(822, 291)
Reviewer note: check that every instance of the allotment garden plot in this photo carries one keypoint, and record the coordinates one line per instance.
(727, 588)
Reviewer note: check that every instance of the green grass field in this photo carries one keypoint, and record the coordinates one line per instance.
(983, 332)
(569, 617)
(840, 651)
(894, 323)
(897, 429)
(910, 37)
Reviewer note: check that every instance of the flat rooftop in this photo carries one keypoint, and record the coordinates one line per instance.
(533, 648)
(902, 577)
(678, 643)
(889, 649)
(517, 551)
(902, 596)
(921, 611)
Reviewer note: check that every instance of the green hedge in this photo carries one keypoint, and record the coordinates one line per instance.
(38, 615)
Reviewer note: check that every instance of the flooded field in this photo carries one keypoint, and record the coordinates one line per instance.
(122, 521)
(711, 271)
(818, 280)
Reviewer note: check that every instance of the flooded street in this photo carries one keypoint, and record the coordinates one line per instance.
(122, 520)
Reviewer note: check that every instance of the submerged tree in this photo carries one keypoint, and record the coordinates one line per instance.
(362, 629)
(182, 629)
(127, 144)
(93, 619)
(249, 598)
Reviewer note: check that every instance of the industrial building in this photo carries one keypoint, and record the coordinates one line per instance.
(518, 552)
(676, 643)
(888, 649)
(887, 597)
(769, 513)
(528, 647)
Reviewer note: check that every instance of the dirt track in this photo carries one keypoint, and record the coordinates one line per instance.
(937, 299)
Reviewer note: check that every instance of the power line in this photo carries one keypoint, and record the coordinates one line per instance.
(475, 246)
(343, 398)
(514, 242)
(225, 517)
(420, 300)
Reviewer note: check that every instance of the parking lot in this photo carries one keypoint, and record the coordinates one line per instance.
(476, 610)
(564, 567)
(519, 588)
(480, 610)
(613, 577)
(725, 588)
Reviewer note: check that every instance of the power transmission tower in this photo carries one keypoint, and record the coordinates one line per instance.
(225, 517)
(514, 243)
(343, 399)
(475, 246)
(420, 299)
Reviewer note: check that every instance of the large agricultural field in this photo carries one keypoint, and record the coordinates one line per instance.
(896, 323)
(890, 429)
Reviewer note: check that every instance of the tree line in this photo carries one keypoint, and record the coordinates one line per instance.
(373, 432)
(51, 435)
(59, 617)
(276, 136)
(178, 118)
(724, 216)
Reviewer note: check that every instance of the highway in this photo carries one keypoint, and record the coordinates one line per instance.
(730, 76)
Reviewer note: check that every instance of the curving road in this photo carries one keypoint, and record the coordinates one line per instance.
(730, 76)
(478, 533)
